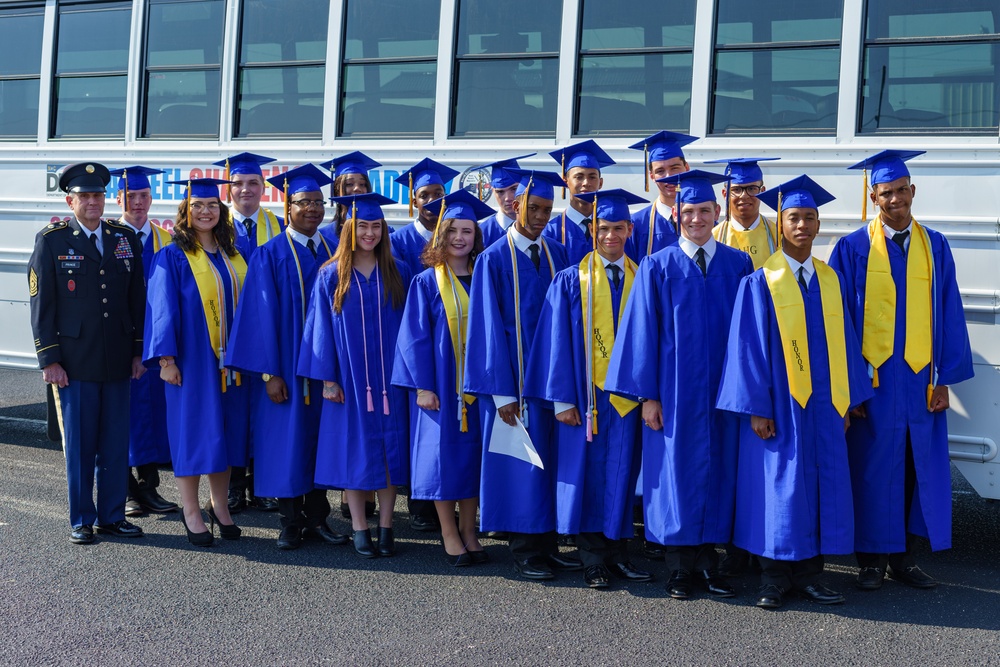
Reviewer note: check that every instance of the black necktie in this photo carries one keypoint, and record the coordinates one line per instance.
(536, 259)
(802, 278)
(251, 228)
(586, 230)
(699, 259)
(616, 274)
(93, 240)
(141, 236)
(900, 239)
(312, 246)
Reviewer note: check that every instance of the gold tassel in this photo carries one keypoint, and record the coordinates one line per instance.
(125, 178)
(645, 164)
(222, 375)
(930, 394)
(562, 163)
(354, 225)
(524, 205)
(189, 204)
(864, 198)
(465, 418)
(286, 200)
(595, 420)
(411, 193)
(593, 224)
(781, 236)
(874, 378)
(437, 226)
(239, 379)
(228, 186)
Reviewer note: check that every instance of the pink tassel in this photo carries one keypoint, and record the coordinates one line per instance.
(385, 402)
(371, 406)
(590, 428)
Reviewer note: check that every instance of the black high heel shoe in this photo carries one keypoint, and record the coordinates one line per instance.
(386, 542)
(363, 544)
(197, 539)
(478, 557)
(226, 531)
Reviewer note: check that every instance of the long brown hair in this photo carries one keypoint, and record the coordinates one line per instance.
(343, 212)
(187, 238)
(344, 257)
(436, 253)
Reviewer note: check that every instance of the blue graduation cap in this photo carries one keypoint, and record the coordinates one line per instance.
(135, 177)
(424, 173)
(500, 175)
(887, 166)
(462, 205)
(307, 178)
(352, 163)
(663, 145)
(800, 192)
(742, 170)
(203, 188)
(695, 186)
(611, 205)
(367, 206)
(85, 177)
(539, 183)
(243, 163)
(585, 154)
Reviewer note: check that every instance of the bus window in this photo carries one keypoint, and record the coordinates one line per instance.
(507, 67)
(389, 68)
(282, 72)
(21, 35)
(91, 74)
(777, 67)
(931, 66)
(634, 68)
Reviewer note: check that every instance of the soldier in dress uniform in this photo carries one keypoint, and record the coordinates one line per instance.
(88, 299)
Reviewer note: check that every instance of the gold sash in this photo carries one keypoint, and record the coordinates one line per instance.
(598, 319)
(789, 310)
(267, 231)
(456, 307)
(161, 237)
(760, 242)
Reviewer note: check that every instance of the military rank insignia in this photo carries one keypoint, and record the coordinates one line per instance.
(32, 282)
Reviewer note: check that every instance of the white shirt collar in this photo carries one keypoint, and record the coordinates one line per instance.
(240, 217)
(890, 232)
(795, 265)
(620, 263)
(690, 248)
(89, 234)
(423, 231)
(504, 221)
(144, 230)
(740, 228)
(575, 216)
(302, 238)
(521, 242)
(664, 210)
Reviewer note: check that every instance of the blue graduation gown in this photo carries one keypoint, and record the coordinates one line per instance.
(147, 441)
(208, 430)
(492, 231)
(664, 233)
(514, 495)
(595, 481)
(669, 348)
(877, 444)
(793, 490)
(444, 461)
(246, 244)
(576, 243)
(266, 335)
(408, 245)
(329, 232)
(357, 449)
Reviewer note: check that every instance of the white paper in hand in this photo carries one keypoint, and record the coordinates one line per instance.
(514, 441)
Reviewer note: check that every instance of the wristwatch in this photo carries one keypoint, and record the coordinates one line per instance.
(165, 362)
(266, 377)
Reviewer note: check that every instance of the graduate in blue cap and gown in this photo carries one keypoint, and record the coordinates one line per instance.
(654, 226)
(265, 343)
(508, 290)
(426, 181)
(898, 441)
(445, 438)
(743, 226)
(504, 186)
(349, 343)
(793, 369)
(147, 446)
(254, 225)
(350, 177)
(667, 355)
(596, 434)
(194, 290)
(581, 166)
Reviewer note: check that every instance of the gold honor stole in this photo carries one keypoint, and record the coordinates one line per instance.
(267, 231)
(456, 308)
(302, 291)
(790, 311)
(161, 237)
(751, 242)
(652, 228)
(598, 319)
(517, 317)
(879, 331)
(213, 301)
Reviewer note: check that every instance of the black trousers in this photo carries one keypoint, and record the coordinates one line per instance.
(147, 476)
(790, 574)
(526, 545)
(308, 511)
(599, 549)
(904, 559)
(693, 558)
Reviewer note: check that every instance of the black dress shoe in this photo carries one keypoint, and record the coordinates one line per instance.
(913, 576)
(289, 538)
(264, 504)
(534, 567)
(770, 596)
(363, 544)
(237, 501)
(870, 578)
(133, 508)
(597, 576)
(680, 586)
(820, 594)
(558, 561)
(653, 551)
(625, 570)
(152, 501)
(423, 524)
(716, 585)
(386, 542)
(327, 534)
(499, 535)
(120, 529)
(82, 535)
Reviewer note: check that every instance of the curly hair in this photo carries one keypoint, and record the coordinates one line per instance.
(436, 254)
(224, 232)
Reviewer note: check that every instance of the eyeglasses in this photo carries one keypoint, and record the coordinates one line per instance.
(198, 207)
(740, 190)
(309, 203)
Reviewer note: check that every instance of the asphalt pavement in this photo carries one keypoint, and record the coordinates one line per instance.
(159, 601)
